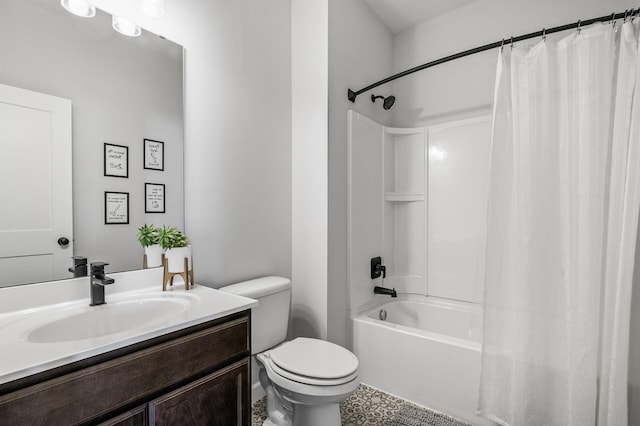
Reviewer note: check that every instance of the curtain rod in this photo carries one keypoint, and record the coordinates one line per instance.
(351, 95)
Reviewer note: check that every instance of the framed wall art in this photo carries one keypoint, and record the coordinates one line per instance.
(153, 155)
(154, 197)
(116, 208)
(116, 160)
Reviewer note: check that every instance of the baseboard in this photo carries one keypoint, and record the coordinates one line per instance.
(257, 392)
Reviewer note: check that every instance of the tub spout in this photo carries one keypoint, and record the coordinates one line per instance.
(387, 291)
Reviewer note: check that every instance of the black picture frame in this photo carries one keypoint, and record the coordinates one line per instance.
(116, 208)
(116, 160)
(154, 197)
(153, 157)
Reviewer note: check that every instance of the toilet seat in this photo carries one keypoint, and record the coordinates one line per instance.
(301, 399)
(307, 380)
(300, 390)
(314, 362)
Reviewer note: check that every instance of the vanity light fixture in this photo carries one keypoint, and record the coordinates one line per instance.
(79, 8)
(125, 27)
(153, 8)
(120, 24)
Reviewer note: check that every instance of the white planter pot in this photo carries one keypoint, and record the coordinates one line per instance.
(154, 255)
(175, 259)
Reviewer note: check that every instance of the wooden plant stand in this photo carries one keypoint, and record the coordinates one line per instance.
(145, 263)
(186, 274)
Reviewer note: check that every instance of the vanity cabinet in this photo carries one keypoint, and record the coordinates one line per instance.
(196, 376)
(183, 406)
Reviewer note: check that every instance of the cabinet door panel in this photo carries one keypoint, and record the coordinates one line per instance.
(219, 399)
(136, 417)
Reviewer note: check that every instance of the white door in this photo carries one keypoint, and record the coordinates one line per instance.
(35, 186)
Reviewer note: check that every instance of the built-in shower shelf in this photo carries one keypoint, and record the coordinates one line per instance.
(403, 197)
(404, 131)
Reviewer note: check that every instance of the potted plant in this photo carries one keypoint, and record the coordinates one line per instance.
(177, 248)
(148, 236)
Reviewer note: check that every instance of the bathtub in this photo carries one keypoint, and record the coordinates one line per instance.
(425, 350)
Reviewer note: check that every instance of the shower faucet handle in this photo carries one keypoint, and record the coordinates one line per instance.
(377, 268)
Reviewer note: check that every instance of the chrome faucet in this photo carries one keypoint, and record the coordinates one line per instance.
(387, 291)
(98, 281)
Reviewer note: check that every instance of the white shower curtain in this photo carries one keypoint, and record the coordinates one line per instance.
(561, 230)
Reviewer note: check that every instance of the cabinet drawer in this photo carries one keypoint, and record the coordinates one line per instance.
(109, 386)
(218, 399)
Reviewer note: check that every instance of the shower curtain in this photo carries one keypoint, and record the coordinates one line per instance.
(561, 230)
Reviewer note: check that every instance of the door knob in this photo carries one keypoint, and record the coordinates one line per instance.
(63, 241)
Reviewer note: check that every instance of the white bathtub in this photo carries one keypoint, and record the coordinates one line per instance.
(427, 351)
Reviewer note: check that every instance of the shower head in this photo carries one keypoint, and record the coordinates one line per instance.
(387, 103)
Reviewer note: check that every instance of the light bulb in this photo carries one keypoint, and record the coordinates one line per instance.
(125, 27)
(79, 8)
(153, 8)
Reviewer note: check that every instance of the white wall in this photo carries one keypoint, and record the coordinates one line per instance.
(309, 170)
(464, 87)
(359, 54)
(237, 132)
(238, 141)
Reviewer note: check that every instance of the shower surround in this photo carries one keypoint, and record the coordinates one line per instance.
(416, 197)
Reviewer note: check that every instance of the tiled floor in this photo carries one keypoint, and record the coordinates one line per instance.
(368, 407)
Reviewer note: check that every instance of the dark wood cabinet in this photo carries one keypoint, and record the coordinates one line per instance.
(196, 376)
(214, 400)
(136, 417)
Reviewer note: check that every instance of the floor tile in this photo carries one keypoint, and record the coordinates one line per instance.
(368, 406)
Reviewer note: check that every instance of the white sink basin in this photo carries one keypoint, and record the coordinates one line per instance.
(117, 316)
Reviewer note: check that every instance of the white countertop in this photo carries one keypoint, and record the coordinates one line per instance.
(25, 307)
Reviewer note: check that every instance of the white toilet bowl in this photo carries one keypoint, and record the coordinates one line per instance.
(305, 380)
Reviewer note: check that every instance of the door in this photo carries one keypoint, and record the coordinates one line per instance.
(35, 187)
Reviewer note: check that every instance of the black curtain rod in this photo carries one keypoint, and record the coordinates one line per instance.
(351, 95)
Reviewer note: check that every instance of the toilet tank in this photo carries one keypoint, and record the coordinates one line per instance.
(270, 319)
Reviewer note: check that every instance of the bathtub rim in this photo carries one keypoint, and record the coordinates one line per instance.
(363, 317)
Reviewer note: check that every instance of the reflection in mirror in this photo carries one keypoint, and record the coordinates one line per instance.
(121, 91)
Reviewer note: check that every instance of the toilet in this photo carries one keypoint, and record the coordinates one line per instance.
(305, 379)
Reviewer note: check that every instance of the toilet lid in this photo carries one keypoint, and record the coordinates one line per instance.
(315, 358)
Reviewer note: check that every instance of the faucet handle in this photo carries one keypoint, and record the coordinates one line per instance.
(79, 268)
(98, 266)
(377, 268)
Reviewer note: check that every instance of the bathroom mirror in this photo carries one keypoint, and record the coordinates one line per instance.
(122, 90)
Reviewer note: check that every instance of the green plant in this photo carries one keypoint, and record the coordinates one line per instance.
(148, 235)
(170, 237)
